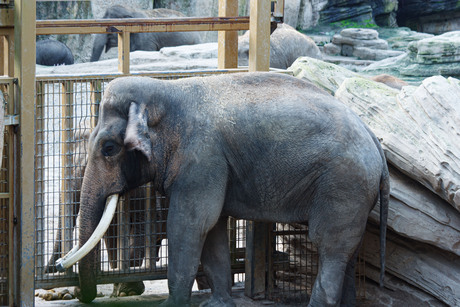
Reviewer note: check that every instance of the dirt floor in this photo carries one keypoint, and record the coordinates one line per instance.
(155, 293)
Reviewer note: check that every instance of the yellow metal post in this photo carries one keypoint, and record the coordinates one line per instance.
(123, 52)
(24, 71)
(66, 204)
(259, 35)
(227, 40)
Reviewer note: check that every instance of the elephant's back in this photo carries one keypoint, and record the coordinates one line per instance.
(163, 13)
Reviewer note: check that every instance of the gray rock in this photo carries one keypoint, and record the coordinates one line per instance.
(437, 55)
(339, 39)
(365, 53)
(361, 34)
(443, 48)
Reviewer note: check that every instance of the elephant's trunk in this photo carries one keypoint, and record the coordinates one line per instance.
(100, 41)
(90, 215)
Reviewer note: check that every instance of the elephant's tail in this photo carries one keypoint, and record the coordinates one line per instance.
(384, 202)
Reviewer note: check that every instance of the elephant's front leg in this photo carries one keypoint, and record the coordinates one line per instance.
(195, 207)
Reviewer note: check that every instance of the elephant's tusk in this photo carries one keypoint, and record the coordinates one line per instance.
(76, 254)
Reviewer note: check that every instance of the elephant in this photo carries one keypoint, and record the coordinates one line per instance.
(137, 206)
(51, 52)
(390, 80)
(286, 45)
(258, 146)
(142, 41)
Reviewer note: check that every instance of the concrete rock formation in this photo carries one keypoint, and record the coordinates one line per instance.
(436, 55)
(364, 44)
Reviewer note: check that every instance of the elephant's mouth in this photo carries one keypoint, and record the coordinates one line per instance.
(78, 253)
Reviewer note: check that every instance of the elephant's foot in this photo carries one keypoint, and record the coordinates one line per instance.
(218, 301)
(171, 303)
(128, 289)
(85, 296)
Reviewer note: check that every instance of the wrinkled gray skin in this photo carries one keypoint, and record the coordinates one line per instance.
(51, 52)
(286, 45)
(257, 146)
(142, 41)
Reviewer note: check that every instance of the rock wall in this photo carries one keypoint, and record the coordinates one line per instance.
(431, 16)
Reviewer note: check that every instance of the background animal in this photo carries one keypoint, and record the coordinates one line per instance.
(142, 41)
(286, 45)
(51, 52)
(390, 80)
(257, 146)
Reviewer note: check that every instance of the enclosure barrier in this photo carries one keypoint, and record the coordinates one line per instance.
(64, 112)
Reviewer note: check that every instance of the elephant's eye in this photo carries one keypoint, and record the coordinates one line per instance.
(110, 148)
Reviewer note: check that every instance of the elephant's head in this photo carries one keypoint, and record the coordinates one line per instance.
(119, 158)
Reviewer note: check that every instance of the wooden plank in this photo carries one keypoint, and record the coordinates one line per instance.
(259, 36)
(24, 70)
(256, 259)
(135, 25)
(227, 40)
(123, 52)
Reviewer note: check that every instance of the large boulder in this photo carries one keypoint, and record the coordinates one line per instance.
(437, 55)
(363, 44)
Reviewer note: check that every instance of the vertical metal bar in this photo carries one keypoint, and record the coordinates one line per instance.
(123, 52)
(39, 180)
(24, 70)
(12, 162)
(149, 233)
(96, 95)
(66, 172)
(271, 247)
(227, 40)
(259, 35)
(3, 55)
(123, 235)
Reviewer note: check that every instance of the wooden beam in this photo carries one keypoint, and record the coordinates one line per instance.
(24, 71)
(259, 35)
(227, 40)
(123, 52)
(136, 25)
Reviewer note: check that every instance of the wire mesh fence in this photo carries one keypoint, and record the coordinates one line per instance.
(135, 246)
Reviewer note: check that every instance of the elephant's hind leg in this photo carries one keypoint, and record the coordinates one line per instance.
(215, 259)
(337, 240)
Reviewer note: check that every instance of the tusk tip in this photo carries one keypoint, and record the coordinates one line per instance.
(59, 265)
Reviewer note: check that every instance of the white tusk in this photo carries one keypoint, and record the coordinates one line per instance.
(76, 254)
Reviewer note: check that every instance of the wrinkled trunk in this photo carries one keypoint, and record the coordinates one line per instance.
(100, 40)
(91, 208)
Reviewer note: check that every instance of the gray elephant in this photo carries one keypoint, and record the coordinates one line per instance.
(256, 146)
(50, 52)
(286, 45)
(143, 41)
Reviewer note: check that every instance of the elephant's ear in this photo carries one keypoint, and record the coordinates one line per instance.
(137, 133)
